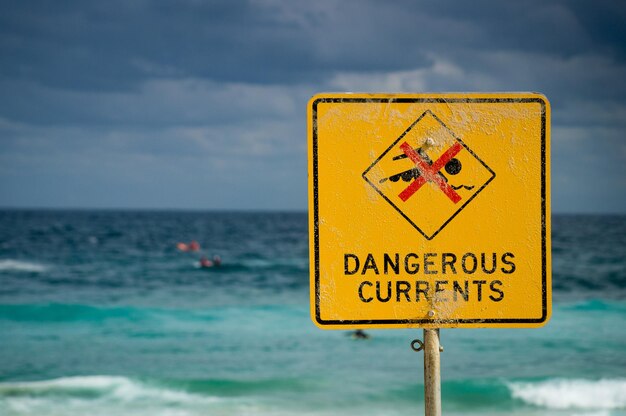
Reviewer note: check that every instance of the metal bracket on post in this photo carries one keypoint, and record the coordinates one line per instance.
(420, 346)
(419, 343)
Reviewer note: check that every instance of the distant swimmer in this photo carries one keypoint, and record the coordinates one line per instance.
(217, 260)
(192, 246)
(205, 263)
(359, 334)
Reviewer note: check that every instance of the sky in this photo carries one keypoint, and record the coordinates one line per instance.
(202, 104)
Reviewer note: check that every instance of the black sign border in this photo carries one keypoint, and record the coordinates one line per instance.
(444, 100)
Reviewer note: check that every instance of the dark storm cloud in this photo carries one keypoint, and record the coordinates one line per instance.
(604, 21)
(114, 45)
(117, 44)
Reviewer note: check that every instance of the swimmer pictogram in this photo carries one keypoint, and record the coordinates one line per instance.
(430, 172)
(428, 153)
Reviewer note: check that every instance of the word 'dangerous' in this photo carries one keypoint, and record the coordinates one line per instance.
(430, 263)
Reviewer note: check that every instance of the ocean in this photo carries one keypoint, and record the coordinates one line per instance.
(101, 314)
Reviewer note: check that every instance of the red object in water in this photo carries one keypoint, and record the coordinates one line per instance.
(194, 246)
(204, 262)
(182, 247)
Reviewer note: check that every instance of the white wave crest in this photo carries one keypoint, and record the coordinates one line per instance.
(572, 393)
(116, 389)
(21, 266)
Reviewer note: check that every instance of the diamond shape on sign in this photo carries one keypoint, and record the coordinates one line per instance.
(428, 175)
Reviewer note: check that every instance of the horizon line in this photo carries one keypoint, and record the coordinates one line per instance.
(239, 210)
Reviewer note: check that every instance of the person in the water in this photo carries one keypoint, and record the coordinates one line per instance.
(359, 334)
(192, 246)
(205, 263)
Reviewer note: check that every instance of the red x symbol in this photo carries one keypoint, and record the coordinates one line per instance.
(430, 173)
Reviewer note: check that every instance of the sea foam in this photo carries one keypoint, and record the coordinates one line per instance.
(21, 266)
(572, 393)
(121, 388)
(109, 394)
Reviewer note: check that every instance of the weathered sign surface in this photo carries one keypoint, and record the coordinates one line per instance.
(429, 210)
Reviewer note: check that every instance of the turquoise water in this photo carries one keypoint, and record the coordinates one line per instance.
(101, 315)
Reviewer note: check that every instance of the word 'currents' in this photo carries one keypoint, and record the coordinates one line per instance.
(472, 287)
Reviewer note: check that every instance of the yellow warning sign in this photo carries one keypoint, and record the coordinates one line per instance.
(429, 210)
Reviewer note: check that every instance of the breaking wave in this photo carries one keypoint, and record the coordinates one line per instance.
(572, 393)
(21, 266)
(97, 395)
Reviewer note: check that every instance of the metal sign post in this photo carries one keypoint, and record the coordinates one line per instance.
(432, 370)
(432, 373)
